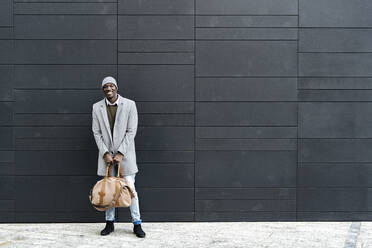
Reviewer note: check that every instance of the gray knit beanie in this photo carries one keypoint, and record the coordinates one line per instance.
(109, 79)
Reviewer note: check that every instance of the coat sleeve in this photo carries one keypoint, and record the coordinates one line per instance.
(97, 133)
(131, 131)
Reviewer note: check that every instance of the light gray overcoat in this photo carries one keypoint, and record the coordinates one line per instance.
(125, 129)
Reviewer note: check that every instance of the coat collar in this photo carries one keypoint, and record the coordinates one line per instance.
(116, 102)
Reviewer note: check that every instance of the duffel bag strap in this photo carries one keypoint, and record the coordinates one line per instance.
(102, 192)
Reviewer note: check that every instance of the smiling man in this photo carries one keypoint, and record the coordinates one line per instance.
(114, 126)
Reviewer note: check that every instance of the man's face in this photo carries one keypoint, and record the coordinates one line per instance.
(110, 91)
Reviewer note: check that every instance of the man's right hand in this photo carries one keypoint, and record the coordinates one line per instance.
(108, 158)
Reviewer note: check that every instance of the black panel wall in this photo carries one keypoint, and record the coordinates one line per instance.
(249, 110)
(246, 110)
(335, 131)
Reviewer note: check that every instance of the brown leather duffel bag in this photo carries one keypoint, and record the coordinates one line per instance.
(111, 192)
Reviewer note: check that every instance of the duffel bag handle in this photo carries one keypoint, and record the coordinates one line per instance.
(107, 169)
(118, 173)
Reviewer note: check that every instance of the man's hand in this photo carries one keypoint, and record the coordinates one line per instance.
(108, 158)
(118, 158)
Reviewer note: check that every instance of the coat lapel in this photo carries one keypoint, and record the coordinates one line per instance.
(118, 118)
(105, 118)
(119, 110)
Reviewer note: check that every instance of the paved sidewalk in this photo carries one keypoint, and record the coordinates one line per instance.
(188, 234)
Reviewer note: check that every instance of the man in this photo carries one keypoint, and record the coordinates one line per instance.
(114, 126)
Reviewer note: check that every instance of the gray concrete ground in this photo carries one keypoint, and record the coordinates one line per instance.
(202, 234)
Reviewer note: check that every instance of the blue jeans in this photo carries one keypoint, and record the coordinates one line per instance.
(134, 207)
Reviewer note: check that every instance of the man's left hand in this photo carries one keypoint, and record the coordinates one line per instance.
(118, 158)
